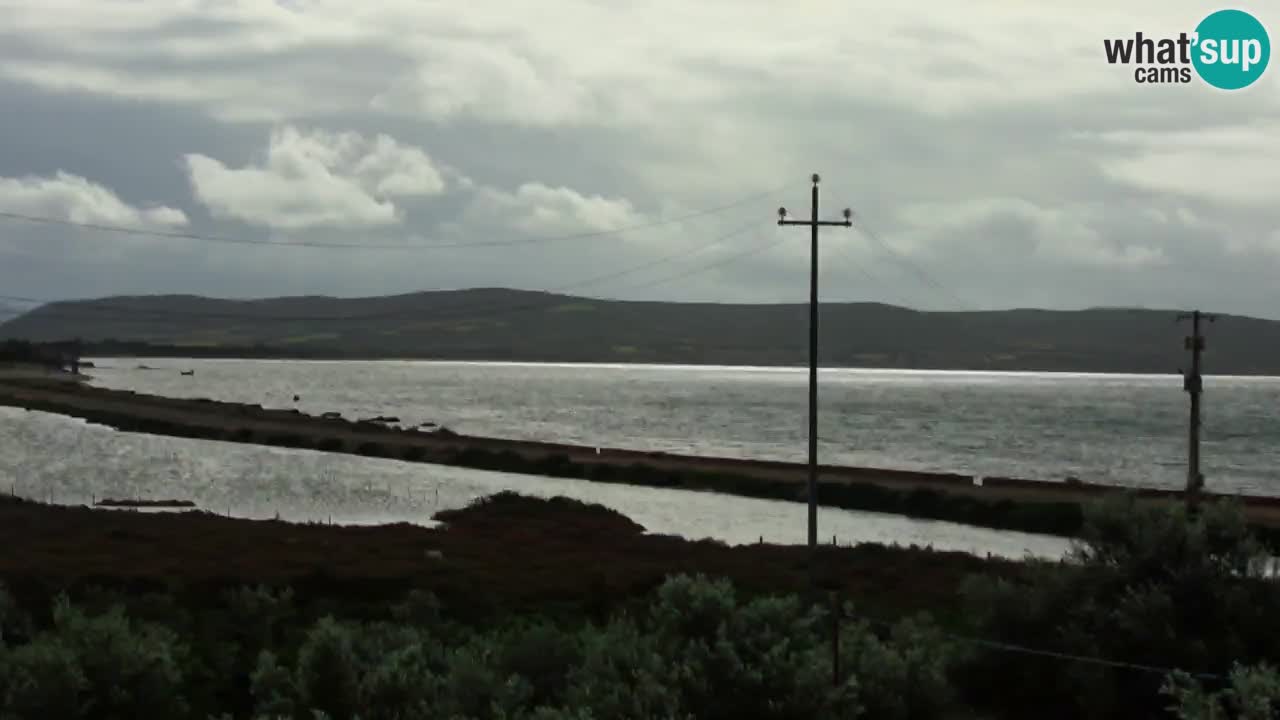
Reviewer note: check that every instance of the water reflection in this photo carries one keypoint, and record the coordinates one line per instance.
(64, 460)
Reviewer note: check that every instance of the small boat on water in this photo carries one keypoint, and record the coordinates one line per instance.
(188, 372)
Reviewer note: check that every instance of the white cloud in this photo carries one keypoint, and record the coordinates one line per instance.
(595, 64)
(312, 179)
(958, 130)
(538, 209)
(1005, 228)
(64, 196)
(1236, 165)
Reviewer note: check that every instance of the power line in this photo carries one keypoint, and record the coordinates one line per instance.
(1086, 659)
(853, 262)
(99, 307)
(143, 232)
(1050, 654)
(860, 224)
(728, 259)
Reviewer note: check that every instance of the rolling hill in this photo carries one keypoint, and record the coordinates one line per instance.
(498, 324)
(8, 312)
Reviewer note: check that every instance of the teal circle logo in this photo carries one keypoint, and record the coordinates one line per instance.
(1231, 49)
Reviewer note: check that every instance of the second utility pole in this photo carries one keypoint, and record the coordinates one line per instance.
(1194, 385)
(814, 223)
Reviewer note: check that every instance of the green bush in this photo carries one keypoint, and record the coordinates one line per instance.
(904, 676)
(1146, 584)
(42, 680)
(765, 658)
(1253, 693)
(326, 675)
(543, 655)
(274, 690)
(403, 684)
(99, 666)
(623, 674)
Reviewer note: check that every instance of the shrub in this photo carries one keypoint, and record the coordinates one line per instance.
(258, 614)
(402, 684)
(372, 449)
(326, 675)
(623, 674)
(8, 614)
(272, 686)
(475, 687)
(42, 680)
(1253, 693)
(1146, 584)
(543, 655)
(762, 659)
(130, 669)
(905, 676)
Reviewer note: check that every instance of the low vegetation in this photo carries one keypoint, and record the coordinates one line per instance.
(1155, 614)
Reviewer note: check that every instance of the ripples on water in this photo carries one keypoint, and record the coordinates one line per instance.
(50, 457)
(1122, 429)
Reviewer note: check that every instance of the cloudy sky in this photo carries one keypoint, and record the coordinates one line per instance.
(325, 147)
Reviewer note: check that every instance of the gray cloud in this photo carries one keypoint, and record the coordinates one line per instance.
(990, 145)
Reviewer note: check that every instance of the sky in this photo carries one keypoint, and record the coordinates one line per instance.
(637, 150)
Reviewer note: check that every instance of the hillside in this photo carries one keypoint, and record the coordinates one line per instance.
(495, 324)
(8, 312)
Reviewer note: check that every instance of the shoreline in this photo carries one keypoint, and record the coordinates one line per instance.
(1045, 507)
(507, 551)
(622, 364)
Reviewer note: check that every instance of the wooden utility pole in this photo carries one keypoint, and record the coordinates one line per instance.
(814, 223)
(1194, 385)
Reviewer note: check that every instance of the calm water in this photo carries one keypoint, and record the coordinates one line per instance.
(50, 457)
(1124, 429)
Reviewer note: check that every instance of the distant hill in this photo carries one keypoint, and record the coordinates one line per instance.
(496, 324)
(8, 312)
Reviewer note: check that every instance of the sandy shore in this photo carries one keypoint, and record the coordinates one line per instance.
(236, 422)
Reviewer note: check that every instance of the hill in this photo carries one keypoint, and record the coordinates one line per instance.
(8, 312)
(496, 324)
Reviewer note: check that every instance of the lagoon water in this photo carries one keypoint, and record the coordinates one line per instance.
(68, 461)
(1121, 429)
(1124, 429)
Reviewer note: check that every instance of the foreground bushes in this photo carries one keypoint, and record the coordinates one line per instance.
(696, 650)
(1147, 589)
(1147, 586)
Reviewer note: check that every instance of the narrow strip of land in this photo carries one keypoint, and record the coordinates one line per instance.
(506, 551)
(1009, 503)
